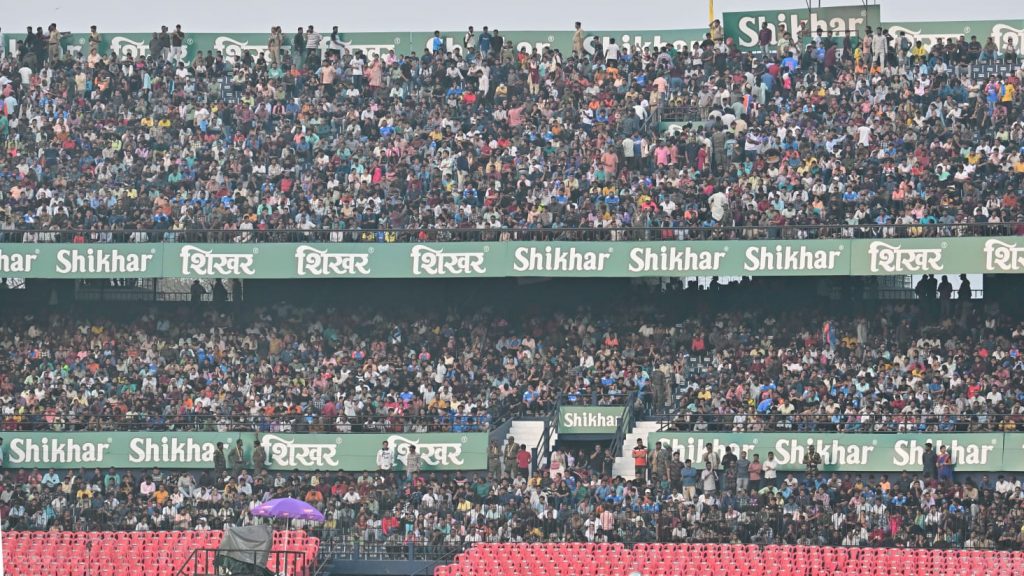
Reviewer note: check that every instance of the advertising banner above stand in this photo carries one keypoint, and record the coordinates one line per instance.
(517, 259)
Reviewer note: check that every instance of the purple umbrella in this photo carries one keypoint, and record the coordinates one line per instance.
(289, 508)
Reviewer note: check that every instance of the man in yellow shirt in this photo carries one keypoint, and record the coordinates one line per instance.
(918, 53)
(161, 495)
(1009, 91)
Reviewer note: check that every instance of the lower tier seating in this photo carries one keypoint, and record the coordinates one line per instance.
(583, 559)
(137, 553)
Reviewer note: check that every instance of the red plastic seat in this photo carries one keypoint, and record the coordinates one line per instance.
(130, 553)
(587, 559)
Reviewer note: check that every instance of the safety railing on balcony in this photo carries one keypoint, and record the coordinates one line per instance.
(674, 419)
(412, 235)
(893, 423)
(298, 424)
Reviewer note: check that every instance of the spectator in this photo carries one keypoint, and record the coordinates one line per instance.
(385, 459)
(219, 461)
(944, 465)
(744, 474)
(812, 460)
(929, 462)
(708, 479)
(640, 460)
(237, 458)
(412, 465)
(259, 458)
(755, 472)
(769, 468)
(523, 461)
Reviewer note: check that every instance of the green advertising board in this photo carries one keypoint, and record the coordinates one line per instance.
(307, 452)
(931, 32)
(1003, 255)
(972, 452)
(1013, 451)
(743, 27)
(235, 44)
(596, 420)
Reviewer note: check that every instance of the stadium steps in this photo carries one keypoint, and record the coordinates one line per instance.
(529, 432)
(623, 465)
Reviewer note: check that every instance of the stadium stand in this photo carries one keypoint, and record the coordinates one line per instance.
(450, 145)
(130, 553)
(934, 372)
(406, 369)
(849, 138)
(729, 559)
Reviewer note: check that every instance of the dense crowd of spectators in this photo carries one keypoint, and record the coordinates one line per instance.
(866, 132)
(723, 498)
(925, 365)
(862, 130)
(281, 369)
(939, 365)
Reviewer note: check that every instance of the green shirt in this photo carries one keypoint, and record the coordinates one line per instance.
(482, 489)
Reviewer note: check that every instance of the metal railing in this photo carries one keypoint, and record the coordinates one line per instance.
(595, 397)
(880, 423)
(212, 561)
(742, 520)
(412, 235)
(259, 424)
(352, 549)
(543, 451)
(675, 420)
(625, 425)
(443, 560)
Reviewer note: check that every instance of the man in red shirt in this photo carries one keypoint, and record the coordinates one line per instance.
(523, 461)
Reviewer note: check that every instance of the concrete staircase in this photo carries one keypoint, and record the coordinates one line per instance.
(623, 465)
(529, 432)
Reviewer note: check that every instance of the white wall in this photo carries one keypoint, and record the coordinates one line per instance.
(420, 15)
(977, 281)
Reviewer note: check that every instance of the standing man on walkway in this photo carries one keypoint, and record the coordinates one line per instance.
(259, 458)
(385, 456)
(178, 44)
(220, 463)
(640, 460)
(508, 458)
(742, 474)
(313, 39)
(237, 459)
(577, 40)
(412, 465)
(929, 462)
